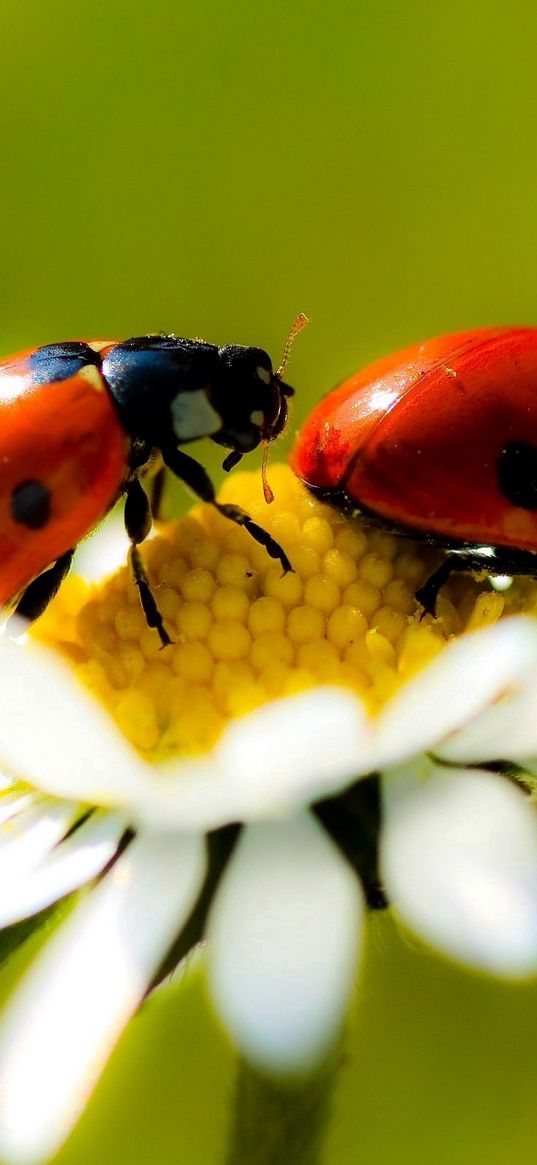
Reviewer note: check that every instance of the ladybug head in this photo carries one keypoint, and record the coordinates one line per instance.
(250, 397)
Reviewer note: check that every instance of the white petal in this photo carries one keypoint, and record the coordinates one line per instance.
(105, 552)
(468, 675)
(459, 863)
(507, 729)
(63, 1021)
(283, 943)
(28, 837)
(273, 761)
(298, 748)
(12, 803)
(81, 857)
(55, 736)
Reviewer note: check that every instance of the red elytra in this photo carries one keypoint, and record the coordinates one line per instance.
(438, 441)
(68, 437)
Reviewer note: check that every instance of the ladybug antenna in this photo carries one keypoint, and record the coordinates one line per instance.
(267, 492)
(301, 322)
(297, 326)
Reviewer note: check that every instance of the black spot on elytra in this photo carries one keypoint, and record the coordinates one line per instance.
(517, 474)
(30, 504)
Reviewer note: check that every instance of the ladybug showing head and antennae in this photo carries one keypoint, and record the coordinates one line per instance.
(265, 396)
(438, 442)
(80, 421)
(279, 415)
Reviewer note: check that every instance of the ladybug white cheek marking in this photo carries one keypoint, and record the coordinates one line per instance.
(257, 417)
(193, 416)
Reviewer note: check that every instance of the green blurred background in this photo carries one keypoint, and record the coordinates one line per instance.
(213, 169)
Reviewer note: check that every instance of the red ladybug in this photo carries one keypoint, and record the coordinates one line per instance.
(438, 442)
(80, 420)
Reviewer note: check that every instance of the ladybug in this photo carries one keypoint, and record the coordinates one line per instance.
(438, 442)
(81, 420)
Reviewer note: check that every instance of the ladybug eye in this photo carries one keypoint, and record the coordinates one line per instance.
(264, 374)
(517, 474)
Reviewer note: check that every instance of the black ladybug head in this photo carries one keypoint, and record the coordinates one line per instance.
(250, 398)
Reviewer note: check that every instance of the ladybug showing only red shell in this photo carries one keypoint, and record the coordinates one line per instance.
(80, 420)
(438, 442)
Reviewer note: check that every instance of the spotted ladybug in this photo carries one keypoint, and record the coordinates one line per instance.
(79, 422)
(438, 442)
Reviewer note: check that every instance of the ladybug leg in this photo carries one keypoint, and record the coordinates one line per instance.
(231, 460)
(428, 593)
(147, 599)
(195, 477)
(156, 491)
(138, 524)
(39, 593)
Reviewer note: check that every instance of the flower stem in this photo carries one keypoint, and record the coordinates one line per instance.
(278, 1121)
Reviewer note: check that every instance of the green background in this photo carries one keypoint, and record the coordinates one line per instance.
(213, 169)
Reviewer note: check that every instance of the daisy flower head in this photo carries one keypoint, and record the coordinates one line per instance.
(228, 785)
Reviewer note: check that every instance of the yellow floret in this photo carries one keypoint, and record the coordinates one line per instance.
(266, 615)
(230, 603)
(229, 639)
(340, 567)
(269, 648)
(198, 585)
(172, 572)
(305, 624)
(322, 593)
(193, 661)
(318, 532)
(364, 596)
(306, 561)
(129, 621)
(194, 621)
(243, 632)
(286, 588)
(375, 570)
(135, 714)
(234, 570)
(59, 624)
(345, 625)
(487, 609)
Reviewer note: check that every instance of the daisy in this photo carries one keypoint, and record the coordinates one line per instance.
(277, 695)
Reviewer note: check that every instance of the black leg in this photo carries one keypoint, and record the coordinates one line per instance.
(138, 524)
(231, 460)
(156, 491)
(195, 477)
(499, 560)
(517, 562)
(428, 593)
(138, 519)
(39, 593)
(147, 599)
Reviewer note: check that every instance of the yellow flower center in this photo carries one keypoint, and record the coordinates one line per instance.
(243, 633)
